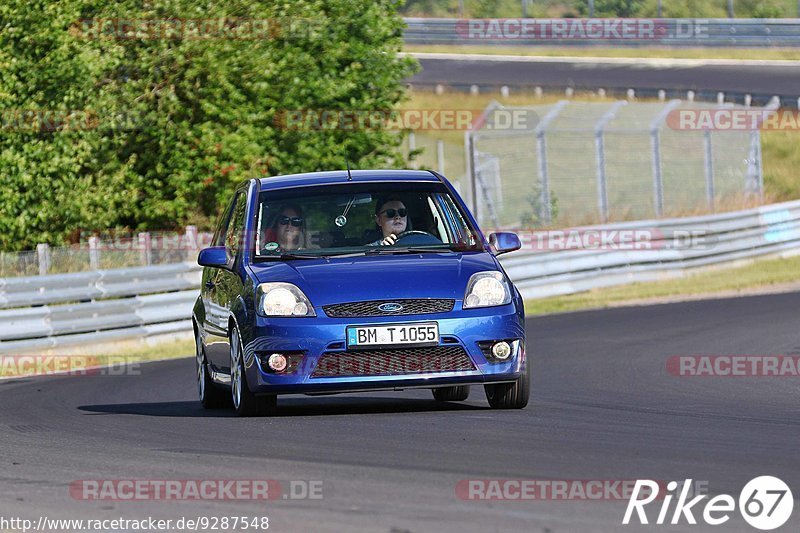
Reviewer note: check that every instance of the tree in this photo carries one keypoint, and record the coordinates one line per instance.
(202, 91)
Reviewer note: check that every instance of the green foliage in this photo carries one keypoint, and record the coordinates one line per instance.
(613, 8)
(201, 114)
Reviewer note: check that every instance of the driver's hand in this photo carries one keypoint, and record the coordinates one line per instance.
(390, 240)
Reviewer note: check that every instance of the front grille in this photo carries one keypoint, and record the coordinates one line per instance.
(419, 306)
(390, 362)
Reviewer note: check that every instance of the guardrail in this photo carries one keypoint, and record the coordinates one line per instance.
(578, 32)
(41, 313)
(111, 305)
(726, 237)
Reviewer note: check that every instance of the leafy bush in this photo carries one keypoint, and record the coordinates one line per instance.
(198, 114)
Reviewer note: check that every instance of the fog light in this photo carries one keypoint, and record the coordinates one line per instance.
(501, 350)
(277, 362)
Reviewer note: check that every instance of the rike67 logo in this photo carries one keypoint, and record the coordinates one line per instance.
(765, 503)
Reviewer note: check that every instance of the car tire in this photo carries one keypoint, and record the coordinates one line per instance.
(510, 395)
(245, 403)
(459, 393)
(211, 396)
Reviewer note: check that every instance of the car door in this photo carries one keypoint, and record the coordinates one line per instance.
(215, 317)
(228, 284)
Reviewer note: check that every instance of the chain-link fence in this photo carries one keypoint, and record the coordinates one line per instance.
(117, 251)
(582, 163)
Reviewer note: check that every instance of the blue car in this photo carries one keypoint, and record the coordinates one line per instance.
(333, 282)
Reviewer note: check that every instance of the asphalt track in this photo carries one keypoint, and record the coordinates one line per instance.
(603, 407)
(760, 80)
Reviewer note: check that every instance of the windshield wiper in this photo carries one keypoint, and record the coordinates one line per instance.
(404, 250)
(290, 255)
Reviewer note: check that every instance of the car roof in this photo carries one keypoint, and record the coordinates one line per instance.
(340, 176)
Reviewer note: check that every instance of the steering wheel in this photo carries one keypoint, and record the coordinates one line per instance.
(415, 237)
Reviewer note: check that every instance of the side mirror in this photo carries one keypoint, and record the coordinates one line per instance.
(215, 256)
(504, 242)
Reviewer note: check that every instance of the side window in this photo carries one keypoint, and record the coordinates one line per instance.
(438, 221)
(460, 228)
(235, 233)
(222, 225)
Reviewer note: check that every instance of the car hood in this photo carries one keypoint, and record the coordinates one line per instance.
(385, 277)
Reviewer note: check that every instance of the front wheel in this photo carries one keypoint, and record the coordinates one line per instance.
(245, 403)
(510, 395)
(459, 393)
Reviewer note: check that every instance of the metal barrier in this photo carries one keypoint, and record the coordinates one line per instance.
(111, 305)
(140, 302)
(578, 32)
(727, 237)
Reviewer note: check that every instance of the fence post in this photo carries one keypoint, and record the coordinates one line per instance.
(541, 151)
(94, 253)
(658, 182)
(709, 166)
(655, 143)
(600, 156)
(440, 156)
(412, 145)
(191, 244)
(43, 257)
(541, 148)
(755, 176)
(602, 190)
(469, 141)
(145, 248)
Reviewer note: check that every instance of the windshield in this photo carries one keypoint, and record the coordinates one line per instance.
(361, 218)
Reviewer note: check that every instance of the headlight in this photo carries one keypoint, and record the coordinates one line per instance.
(283, 299)
(487, 289)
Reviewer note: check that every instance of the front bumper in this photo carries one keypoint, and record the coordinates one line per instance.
(315, 337)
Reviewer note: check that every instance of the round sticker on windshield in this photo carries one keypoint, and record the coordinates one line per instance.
(270, 246)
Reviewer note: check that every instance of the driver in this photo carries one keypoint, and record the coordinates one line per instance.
(391, 216)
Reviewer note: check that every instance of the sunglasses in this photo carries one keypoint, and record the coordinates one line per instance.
(283, 220)
(390, 213)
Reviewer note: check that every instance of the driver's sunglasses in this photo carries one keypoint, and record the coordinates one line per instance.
(390, 213)
(283, 220)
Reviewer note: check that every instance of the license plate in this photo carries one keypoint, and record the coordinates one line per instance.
(420, 334)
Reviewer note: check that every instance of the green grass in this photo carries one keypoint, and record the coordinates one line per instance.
(780, 153)
(650, 53)
(758, 275)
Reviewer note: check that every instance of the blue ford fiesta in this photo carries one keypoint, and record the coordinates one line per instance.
(335, 282)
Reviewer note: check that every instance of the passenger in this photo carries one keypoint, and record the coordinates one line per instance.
(288, 230)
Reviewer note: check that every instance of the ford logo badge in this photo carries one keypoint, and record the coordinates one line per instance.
(390, 307)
